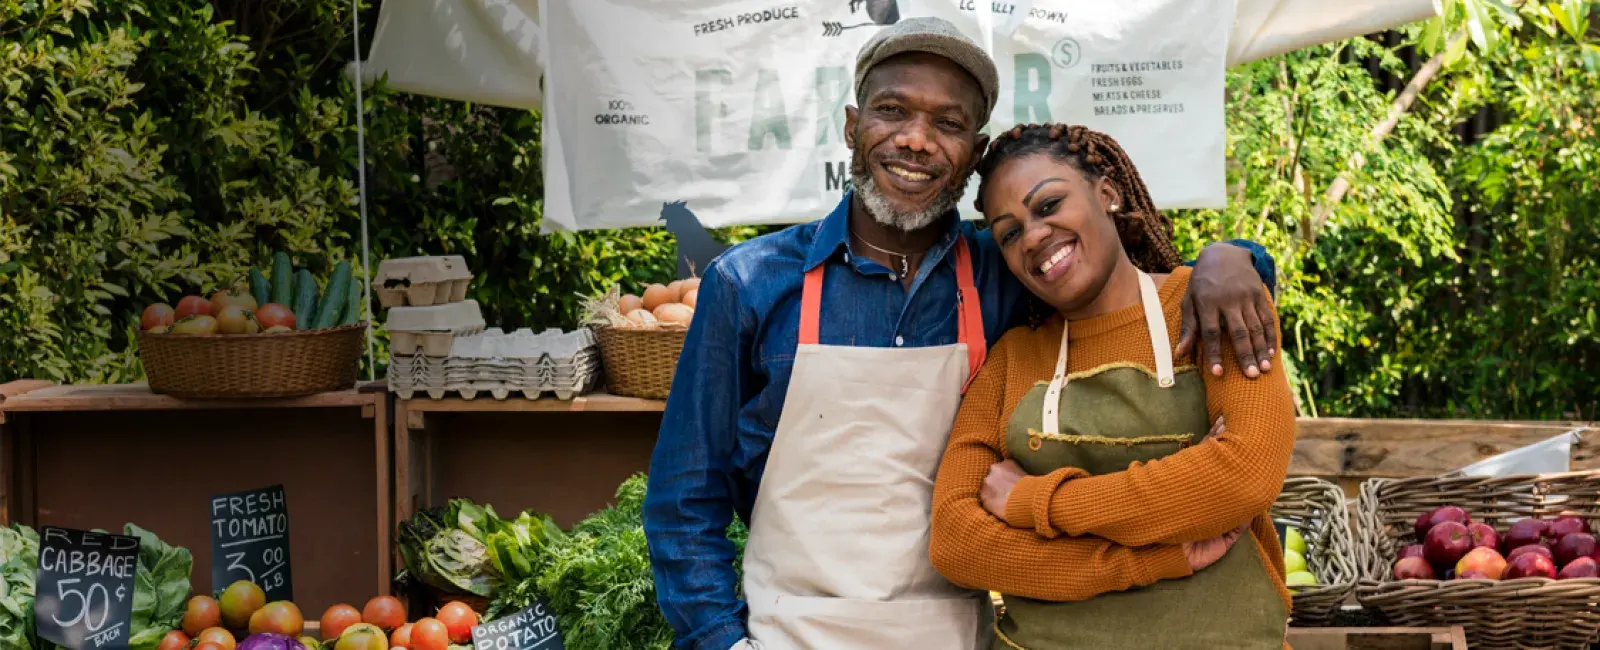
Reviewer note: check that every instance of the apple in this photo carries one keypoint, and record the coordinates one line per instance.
(1573, 546)
(1530, 565)
(1413, 568)
(1473, 575)
(1524, 532)
(1440, 515)
(1566, 525)
(1414, 550)
(1539, 549)
(1484, 560)
(1293, 562)
(1446, 543)
(1583, 567)
(1483, 535)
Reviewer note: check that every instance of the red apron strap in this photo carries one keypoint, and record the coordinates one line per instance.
(971, 317)
(811, 305)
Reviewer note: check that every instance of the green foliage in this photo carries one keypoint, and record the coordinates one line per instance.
(153, 148)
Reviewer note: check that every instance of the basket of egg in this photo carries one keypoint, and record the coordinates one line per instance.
(641, 336)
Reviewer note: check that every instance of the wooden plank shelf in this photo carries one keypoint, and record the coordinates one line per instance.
(517, 404)
(137, 397)
(1378, 638)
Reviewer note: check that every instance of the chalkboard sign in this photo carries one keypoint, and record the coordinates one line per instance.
(533, 628)
(250, 541)
(85, 588)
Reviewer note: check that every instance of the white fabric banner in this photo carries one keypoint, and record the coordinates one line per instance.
(737, 107)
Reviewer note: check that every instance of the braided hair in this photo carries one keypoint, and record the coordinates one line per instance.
(1145, 232)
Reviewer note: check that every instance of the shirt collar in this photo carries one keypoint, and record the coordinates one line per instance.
(833, 233)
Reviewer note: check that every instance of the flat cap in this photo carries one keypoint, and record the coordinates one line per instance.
(935, 36)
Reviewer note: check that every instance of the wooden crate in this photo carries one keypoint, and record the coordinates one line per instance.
(102, 456)
(1378, 638)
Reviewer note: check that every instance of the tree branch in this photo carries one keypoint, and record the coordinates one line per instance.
(1342, 184)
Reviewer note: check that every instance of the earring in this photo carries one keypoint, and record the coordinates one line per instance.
(1113, 207)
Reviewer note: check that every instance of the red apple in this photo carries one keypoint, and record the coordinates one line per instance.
(1566, 525)
(1524, 532)
(1573, 546)
(1583, 567)
(1414, 550)
(1537, 549)
(1413, 568)
(1440, 515)
(1484, 560)
(1483, 535)
(1447, 542)
(1530, 565)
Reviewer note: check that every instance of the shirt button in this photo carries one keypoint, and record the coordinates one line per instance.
(846, 258)
(895, 277)
(899, 340)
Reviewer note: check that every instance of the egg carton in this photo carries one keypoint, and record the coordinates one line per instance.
(421, 281)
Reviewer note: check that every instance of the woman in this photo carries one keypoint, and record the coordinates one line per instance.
(1080, 481)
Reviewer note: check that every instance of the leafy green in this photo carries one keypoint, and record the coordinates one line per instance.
(465, 547)
(161, 588)
(19, 564)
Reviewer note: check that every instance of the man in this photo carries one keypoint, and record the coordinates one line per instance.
(819, 380)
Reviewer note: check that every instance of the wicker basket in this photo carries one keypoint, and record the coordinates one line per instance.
(1520, 613)
(288, 364)
(639, 363)
(1319, 510)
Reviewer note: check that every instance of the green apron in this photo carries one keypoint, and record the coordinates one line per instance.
(1104, 420)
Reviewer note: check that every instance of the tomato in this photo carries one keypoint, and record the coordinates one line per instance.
(196, 325)
(222, 299)
(273, 314)
(458, 618)
(386, 612)
(174, 640)
(191, 305)
(156, 315)
(337, 619)
(429, 634)
(234, 319)
(401, 637)
(212, 646)
(202, 612)
(217, 636)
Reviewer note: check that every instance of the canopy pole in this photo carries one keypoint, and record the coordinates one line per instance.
(361, 170)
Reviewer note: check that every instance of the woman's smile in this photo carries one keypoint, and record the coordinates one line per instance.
(1057, 258)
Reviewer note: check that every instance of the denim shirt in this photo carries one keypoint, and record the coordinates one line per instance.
(733, 374)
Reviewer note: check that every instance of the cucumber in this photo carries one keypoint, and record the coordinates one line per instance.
(258, 286)
(352, 311)
(305, 299)
(333, 298)
(282, 279)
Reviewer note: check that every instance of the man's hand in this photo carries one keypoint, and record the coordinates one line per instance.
(997, 486)
(1206, 553)
(1225, 291)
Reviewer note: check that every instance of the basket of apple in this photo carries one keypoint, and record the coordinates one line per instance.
(1319, 549)
(287, 337)
(1513, 560)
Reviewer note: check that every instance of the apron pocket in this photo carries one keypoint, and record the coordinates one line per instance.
(789, 622)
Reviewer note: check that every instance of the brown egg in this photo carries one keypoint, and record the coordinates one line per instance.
(629, 303)
(691, 284)
(674, 313)
(676, 287)
(657, 295)
(689, 297)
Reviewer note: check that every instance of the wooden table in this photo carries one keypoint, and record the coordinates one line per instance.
(103, 456)
(1378, 638)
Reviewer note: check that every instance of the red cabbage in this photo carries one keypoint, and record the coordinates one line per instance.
(266, 641)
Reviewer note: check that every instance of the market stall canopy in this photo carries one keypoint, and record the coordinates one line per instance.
(735, 109)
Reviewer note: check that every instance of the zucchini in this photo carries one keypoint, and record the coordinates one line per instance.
(352, 310)
(282, 279)
(333, 298)
(258, 287)
(305, 299)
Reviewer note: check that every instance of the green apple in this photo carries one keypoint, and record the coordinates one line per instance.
(1293, 562)
(1293, 541)
(1300, 579)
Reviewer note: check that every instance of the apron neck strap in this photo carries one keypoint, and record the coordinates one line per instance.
(969, 319)
(1155, 321)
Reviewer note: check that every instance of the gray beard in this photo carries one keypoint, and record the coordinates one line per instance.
(884, 212)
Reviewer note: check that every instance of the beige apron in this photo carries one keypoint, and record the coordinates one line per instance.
(838, 552)
(1114, 416)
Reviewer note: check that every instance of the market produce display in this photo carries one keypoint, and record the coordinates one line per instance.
(1456, 548)
(288, 300)
(466, 549)
(663, 306)
(1297, 573)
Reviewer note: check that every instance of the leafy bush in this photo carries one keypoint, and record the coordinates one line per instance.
(152, 148)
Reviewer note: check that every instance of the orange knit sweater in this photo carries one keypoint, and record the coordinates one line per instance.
(1072, 536)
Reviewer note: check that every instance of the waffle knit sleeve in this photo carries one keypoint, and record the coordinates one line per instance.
(974, 549)
(1195, 494)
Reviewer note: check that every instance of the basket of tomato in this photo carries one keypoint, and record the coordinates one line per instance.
(285, 337)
